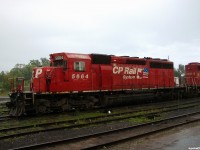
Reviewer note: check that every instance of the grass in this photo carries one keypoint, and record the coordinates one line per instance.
(139, 120)
(46, 119)
(3, 108)
(144, 119)
(81, 118)
(4, 93)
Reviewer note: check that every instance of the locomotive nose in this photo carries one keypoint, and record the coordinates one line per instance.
(43, 72)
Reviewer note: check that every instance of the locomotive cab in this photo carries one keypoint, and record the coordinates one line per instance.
(43, 77)
(192, 77)
(65, 70)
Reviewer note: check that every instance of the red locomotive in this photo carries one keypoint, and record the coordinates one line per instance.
(192, 75)
(93, 80)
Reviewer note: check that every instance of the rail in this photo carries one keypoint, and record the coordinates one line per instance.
(154, 127)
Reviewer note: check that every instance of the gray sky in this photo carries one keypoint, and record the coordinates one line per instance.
(31, 29)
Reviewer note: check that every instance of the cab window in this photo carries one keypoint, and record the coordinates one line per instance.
(79, 66)
(60, 63)
(57, 63)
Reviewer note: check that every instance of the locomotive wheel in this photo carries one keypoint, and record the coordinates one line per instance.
(18, 110)
(42, 109)
(65, 107)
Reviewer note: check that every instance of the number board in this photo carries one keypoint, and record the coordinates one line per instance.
(59, 57)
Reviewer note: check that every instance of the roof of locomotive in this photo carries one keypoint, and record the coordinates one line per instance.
(166, 61)
(107, 59)
(127, 59)
(194, 63)
(70, 56)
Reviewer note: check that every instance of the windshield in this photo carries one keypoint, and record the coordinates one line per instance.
(60, 63)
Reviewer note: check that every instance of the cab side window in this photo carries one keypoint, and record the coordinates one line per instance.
(79, 66)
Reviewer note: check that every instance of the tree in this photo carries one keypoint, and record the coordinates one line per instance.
(5, 83)
(35, 63)
(21, 70)
(180, 72)
(1, 76)
(44, 62)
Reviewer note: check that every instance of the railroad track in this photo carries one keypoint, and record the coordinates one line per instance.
(5, 118)
(3, 112)
(112, 136)
(3, 106)
(44, 127)
(4, 100)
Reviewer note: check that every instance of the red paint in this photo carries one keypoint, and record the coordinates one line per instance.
(76, 73)
(192, 74)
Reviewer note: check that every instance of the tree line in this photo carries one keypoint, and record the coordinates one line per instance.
(25, 70)
(20, 70)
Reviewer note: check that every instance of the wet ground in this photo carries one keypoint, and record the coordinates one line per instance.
(182, 138)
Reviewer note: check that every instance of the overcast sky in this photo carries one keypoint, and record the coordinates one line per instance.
(31, 29)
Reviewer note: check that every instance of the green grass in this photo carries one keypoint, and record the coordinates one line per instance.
(81, 118)
(4, 93)
(144, 119)
(46, 119)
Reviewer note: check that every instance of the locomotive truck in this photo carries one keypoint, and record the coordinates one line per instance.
(96, 80)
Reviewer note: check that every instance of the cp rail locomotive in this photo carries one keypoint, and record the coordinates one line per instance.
(95, 80)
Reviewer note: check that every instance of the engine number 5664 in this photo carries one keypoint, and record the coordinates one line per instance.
(79, 76)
